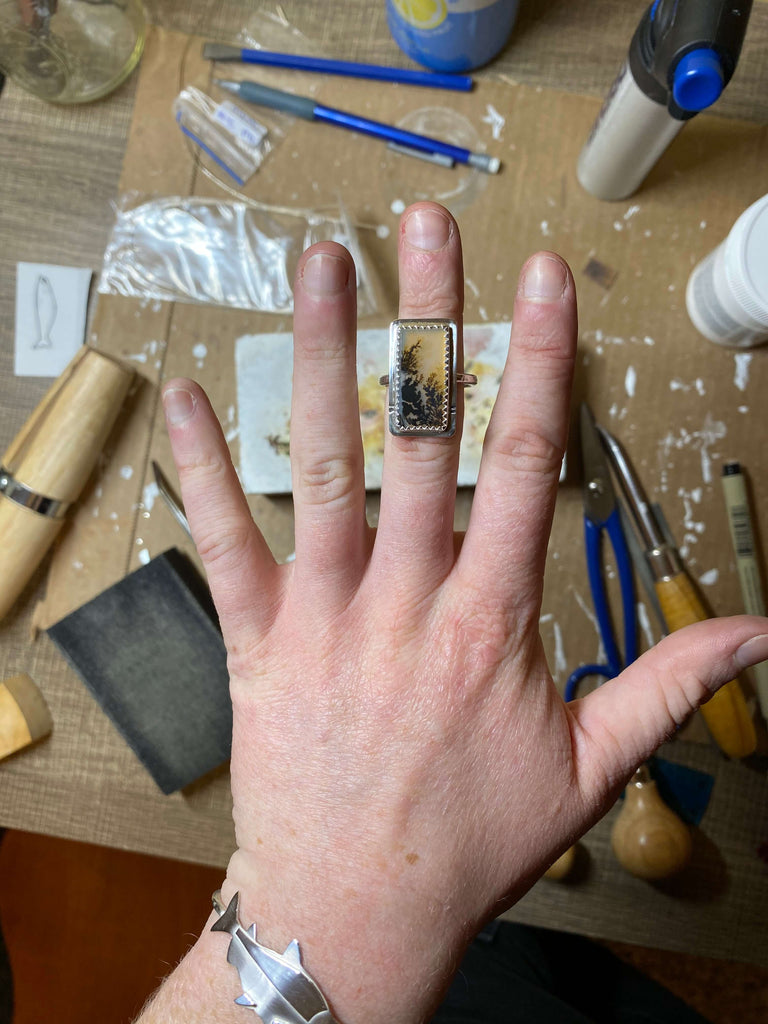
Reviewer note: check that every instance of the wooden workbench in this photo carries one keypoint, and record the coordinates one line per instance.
(60, 169)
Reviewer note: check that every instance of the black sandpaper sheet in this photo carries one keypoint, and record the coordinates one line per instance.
(150, 651)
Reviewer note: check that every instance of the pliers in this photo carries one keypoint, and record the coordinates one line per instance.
(601, 515)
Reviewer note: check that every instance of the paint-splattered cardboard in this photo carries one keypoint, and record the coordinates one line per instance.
(681, 405)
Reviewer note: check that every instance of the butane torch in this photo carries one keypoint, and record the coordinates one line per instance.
(682, 56)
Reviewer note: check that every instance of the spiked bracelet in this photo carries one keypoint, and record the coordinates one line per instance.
(275, 985)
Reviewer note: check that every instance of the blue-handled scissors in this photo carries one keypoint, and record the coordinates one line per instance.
(601, 514)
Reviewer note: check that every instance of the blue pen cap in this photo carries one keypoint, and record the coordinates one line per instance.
(698, 80)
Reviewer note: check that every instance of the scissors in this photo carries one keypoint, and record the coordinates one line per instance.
(601, 515)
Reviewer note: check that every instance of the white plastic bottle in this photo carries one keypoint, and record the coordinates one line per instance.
(727, 293)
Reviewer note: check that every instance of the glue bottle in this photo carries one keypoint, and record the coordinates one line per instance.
(681, 57)
(727, 293)
(451, 35)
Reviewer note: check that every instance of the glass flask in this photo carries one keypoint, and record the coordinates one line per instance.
(70, 51)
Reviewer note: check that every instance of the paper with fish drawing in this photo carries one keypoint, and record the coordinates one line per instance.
(51, 307)
(264, 364)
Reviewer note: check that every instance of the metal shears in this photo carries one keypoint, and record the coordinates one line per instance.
(601, 515)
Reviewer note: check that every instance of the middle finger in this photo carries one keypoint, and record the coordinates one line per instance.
(419, 479)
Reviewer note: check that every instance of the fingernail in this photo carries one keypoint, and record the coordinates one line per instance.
(325, 274)
(752, 652)
(179, 404)
(544, 279)
(427, 229)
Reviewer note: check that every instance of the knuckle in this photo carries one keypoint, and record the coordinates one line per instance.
(329, 481)
(526, 449)
(480, 635)
(222, 541)
(432, 300)
(200, 465)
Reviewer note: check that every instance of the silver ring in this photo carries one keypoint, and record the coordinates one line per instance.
(423, 378)
(51, 508)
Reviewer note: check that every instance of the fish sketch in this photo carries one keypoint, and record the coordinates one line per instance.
(275, 985)
(46, 311)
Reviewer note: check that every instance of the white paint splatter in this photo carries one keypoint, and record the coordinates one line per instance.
(151, 491)
(709, 578)
(397, 206)
(693, 526)
(77, 565)
(679, 385)
(200, 351)
(126, 472)
(711, 431)
(382, 231)
(144, 556)
(618, 226)
(648, 340)
(472, 286)
(741, 373)
(630, 381)
(545, 228)
(495, 120)
(631, 211)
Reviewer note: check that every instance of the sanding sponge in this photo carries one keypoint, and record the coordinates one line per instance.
(150, 651)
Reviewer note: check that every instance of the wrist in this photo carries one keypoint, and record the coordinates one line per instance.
(375, 955)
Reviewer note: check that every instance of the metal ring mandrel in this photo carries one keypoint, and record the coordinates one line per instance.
(422, 378)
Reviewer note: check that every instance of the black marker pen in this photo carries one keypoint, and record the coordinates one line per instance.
(681, 57)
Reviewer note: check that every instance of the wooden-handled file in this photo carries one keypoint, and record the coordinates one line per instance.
(726, 714)
(47, 465)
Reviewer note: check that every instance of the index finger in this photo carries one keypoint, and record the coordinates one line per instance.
(506, 540)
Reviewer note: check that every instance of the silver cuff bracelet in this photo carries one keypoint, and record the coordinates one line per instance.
(275, 985)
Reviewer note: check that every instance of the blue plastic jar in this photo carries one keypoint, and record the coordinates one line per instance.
(451, 35)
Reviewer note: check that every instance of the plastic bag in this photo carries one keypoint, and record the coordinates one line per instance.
(235, 141)
(220, 252)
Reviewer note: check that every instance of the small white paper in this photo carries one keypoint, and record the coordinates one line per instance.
(51, 309)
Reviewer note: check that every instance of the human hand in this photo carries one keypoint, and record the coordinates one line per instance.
(403, 767)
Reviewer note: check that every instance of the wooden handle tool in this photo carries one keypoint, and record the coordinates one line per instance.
(24, 715)
(649, 839)
(726, 714)
(47, 465)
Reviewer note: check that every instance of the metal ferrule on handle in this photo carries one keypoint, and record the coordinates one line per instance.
(15, 491)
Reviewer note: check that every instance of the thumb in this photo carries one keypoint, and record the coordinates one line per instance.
(621, 723)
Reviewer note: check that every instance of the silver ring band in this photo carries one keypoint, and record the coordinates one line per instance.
(51, 508)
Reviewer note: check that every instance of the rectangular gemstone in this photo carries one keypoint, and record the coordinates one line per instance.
(422, 381)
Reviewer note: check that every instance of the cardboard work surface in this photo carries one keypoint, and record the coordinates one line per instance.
(681, 405)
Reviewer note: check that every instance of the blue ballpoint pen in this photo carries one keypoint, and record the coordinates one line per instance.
(306, 108)
(405, 76)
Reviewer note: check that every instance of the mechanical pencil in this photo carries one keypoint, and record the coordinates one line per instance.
(306, 108)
